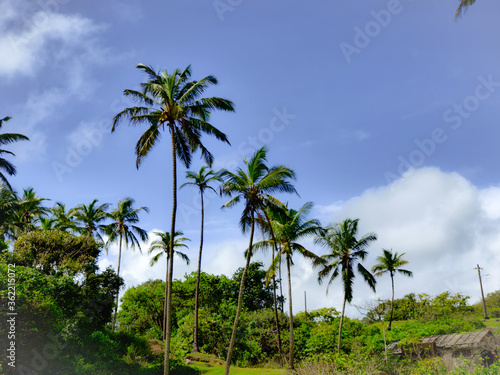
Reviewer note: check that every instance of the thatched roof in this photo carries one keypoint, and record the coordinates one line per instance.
(460, 340)
(467, 340)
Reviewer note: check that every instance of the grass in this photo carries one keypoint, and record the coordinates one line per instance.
(219, 370)
(493, 323)
(208, 364)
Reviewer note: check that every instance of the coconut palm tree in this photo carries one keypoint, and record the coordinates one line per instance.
(89, 217)
(463, 4)
(391, 263)
(289, 226)
(5, 165)
(8, 206)
(346, 251)
(163, 244)
(122, 228)
(253, 187)
(174, 103)
(63, 220)
(202, 181)
(28, 209)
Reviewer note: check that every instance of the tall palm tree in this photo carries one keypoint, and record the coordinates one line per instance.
(163, 244)
(174, 103)
(254, 187)
(90, 216)
(289, 226)
(122, 228)
(347, 250)
(391, 263)
(202, 180)
(5, 165)
(463, 4)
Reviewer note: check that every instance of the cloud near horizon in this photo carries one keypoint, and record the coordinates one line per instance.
(443, 224)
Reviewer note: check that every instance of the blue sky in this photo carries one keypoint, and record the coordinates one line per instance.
(350, 95)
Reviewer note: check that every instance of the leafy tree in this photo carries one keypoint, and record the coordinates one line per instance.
(122, 228)
(56, 312)
(391, 263)
(290, 226)
(142, 309)
(254, 187)
(257, 294)
(346, 252)
(90, 216)
(163, 244)
(173, 102)
(5, 165)
(492, 301)
(202, 180)
(53, 251)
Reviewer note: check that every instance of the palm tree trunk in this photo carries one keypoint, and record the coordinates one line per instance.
(165, 308)
(118, 274)
(276, 319)
(340, 325)
(166, 367)
(281, 284)
(290, 360)
(392, 302)
(196, 349)
(275, 305)
(240, 299)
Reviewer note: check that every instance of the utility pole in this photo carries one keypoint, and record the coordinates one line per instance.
(482, 293)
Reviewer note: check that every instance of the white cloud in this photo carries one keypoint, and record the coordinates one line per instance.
(444, 224)
(38, 39)
(30, 46)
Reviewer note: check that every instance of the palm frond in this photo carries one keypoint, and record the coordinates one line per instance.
(462, 6)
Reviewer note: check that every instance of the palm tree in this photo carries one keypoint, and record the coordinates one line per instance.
(163, 244)
(346, 252)
(90, 216)
(29, 208)
(289, 226)
(64, 220)
(172, 102)
(254, 187)
(8, 207)
(46, 223)
(463, 4)
(5, 165)
(202, 180)
(391, 263)
(122, 227)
